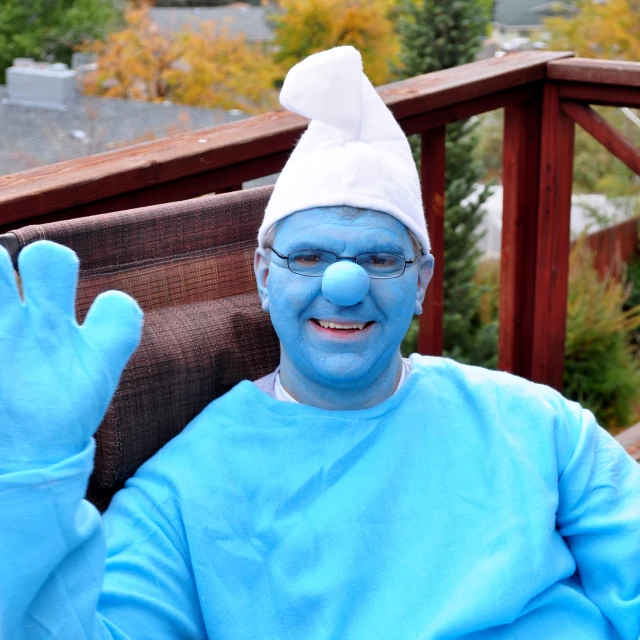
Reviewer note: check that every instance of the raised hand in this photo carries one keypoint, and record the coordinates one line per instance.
(56, 377)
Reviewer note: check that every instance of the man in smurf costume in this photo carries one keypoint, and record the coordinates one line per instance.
(351, 494)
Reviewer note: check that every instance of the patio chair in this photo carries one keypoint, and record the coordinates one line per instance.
(189, 265)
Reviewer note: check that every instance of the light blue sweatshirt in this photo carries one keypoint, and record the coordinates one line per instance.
(470, 504)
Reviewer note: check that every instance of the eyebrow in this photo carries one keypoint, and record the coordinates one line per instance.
(383, 247)
(389, 247)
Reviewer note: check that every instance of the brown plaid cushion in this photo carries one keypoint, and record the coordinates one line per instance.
(188, 356)
(189, 266)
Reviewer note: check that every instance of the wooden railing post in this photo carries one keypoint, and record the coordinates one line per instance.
(520, 179)
(432, 166)
(552, 241)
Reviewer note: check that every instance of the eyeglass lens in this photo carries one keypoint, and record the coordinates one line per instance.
(315, 262)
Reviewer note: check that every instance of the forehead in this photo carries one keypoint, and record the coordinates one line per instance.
(327, 222)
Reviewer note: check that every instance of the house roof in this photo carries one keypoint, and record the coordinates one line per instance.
(528, 13)
(237, 18)
(31, 137)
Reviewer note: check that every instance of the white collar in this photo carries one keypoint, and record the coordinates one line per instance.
(280, 393)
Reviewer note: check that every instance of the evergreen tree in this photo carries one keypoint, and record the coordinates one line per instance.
(437, 35)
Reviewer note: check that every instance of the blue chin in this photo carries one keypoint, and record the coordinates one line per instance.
(338, 358)
(337, 362)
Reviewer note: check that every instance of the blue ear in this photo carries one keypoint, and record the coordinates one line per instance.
(345, 283)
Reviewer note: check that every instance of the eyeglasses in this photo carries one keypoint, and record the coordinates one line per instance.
(314, 262)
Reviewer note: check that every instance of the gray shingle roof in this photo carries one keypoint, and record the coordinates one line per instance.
(236, 18)
(31, 137)
(527, 12)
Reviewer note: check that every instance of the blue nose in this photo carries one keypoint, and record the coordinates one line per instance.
(345, 283)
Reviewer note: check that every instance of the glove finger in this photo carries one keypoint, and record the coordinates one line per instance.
(9, 296)
(113, 328)
(49, 273)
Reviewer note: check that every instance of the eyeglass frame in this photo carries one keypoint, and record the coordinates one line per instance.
(354, 260)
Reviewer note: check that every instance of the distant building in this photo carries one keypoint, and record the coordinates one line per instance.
(524, 19)
(583, 207)
(238, 18)
(204, 3)
(44, 120)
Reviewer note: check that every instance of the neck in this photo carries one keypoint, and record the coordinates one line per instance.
(324, 395)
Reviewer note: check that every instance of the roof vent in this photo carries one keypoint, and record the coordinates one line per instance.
(36, 84)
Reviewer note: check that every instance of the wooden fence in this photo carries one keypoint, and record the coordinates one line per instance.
(615, 246)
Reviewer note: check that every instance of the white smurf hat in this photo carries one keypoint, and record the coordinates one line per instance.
(353, 152)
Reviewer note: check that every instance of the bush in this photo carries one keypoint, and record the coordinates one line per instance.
(602, 372)
(602, 357)
(633, 283)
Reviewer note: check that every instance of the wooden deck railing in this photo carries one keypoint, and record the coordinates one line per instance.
(543, 93)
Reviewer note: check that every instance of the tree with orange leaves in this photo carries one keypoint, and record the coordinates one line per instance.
(223, 71)
(304, 27)
(204, 68)
(608, 30)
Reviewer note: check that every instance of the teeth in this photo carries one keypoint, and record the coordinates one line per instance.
(343, 327)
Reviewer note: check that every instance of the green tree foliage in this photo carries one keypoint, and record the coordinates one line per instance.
(633, 280)
(633, 286)
(489, 149)
(48, 30)
(434, 36)
(437, 35)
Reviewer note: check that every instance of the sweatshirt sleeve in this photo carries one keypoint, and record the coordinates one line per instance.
(599, 515)
(52, 562)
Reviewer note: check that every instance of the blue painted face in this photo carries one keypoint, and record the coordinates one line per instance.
(340, 334)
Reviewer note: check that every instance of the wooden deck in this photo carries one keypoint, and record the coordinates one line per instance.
(543, 93)
(630, 440)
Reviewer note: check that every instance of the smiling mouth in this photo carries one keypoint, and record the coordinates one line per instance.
(342, 326)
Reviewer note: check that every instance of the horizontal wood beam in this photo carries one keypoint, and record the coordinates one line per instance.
(66, 185)
(595, 71)
(608, 136)
(473, 107)
(439, 89)
(218, 181)
(606, 95)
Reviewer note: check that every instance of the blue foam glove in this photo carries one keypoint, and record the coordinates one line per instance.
(56, 377)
